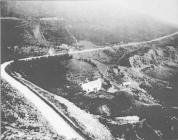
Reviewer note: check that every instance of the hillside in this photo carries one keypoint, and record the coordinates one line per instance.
(20, 119)
(35, 31)
(109, 31)
(31, 37)
(138, 77)
(138, 80)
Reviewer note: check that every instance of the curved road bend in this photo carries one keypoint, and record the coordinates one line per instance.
(56, 121)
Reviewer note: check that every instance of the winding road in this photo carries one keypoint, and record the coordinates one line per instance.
(55, 120)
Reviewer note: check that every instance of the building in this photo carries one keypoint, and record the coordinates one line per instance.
(92, 86)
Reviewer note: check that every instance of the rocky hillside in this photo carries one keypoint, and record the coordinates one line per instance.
(138, 98)
(31, 37)
(20, 119)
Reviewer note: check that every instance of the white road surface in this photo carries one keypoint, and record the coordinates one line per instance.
(55, 120)
(61, 127)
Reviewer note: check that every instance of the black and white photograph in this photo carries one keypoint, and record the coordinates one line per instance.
(89, 69)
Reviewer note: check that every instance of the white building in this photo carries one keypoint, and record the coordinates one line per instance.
(51, 51)
(92, 85)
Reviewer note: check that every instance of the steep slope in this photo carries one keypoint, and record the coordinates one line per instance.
(20, 119)
(30, 37)
(138, 98)
(107, 30)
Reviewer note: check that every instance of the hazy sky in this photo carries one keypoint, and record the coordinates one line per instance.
(166, 10)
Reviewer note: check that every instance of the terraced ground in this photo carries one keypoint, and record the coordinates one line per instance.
(138, 99)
